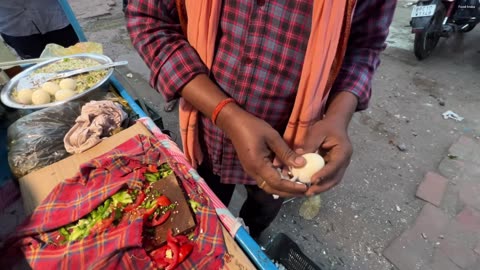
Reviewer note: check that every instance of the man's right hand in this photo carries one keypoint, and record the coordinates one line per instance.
(256, 143)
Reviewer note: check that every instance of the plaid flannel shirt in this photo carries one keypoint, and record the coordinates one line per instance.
(260, 51)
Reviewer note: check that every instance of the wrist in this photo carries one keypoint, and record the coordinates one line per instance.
(225, 117)
(341, 108)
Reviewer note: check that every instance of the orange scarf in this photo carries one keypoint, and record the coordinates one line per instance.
(326, 48)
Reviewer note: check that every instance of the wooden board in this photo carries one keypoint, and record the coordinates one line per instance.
(182, 219)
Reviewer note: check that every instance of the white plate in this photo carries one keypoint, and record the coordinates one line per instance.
(423, 11)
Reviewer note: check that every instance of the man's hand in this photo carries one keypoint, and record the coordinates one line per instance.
(331, 141)
(256, 143)
(330, 138)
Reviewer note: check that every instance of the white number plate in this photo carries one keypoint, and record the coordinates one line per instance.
(422, 11)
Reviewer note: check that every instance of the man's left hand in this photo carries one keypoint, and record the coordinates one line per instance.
(330, 138)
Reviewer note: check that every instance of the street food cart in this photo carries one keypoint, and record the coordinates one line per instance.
(241, 242)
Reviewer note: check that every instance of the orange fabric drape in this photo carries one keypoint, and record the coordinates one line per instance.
(326, 47)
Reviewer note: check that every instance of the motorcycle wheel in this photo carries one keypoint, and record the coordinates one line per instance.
(469, 28)
(427, 40)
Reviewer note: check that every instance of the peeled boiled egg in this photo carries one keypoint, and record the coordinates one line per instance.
(24, 96)
(50, 87)
(64, 94)
(68, 83)
(40, 97)
(314, 163)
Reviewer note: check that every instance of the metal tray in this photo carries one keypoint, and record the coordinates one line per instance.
(11, 85)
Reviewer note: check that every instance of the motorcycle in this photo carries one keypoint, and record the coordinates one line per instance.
(433, 19)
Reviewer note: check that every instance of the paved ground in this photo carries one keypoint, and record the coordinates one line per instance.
(374, 220)
(446, 233)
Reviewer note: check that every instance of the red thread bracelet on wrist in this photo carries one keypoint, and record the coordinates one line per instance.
(219, 108)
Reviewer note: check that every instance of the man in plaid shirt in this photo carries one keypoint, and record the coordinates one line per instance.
(258, 61)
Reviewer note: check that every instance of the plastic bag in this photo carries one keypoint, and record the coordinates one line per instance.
(36, 140)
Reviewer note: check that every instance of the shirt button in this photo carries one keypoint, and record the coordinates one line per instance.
(260, 2)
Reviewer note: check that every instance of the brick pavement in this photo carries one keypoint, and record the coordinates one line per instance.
(446, 232)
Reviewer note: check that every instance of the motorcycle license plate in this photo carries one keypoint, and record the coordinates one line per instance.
(423, 11)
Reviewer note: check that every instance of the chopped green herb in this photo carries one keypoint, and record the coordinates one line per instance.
(164, 170)
(151, 177)
(194, 205)
(122, 197)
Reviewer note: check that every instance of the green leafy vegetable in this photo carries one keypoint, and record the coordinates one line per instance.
(164, 170)
(122, 197)
(194, 205)
(82, 227)
(151, 177)
(149, 203)
(114, 205)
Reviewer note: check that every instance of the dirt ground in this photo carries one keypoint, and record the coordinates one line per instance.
(397, 140)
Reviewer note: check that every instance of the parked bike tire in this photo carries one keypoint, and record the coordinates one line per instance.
(426, 40)
(468, 28)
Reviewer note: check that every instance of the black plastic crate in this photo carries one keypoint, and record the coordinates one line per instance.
(283, 250)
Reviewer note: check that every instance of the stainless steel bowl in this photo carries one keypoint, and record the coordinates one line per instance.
(6, 95)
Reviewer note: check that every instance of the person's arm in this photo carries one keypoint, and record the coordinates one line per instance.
(177, 70)
(350, 92)
(370, 27)
(155, 32)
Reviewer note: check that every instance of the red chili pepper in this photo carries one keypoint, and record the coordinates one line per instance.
(104, 224)
(162, 201)
(140, 197)
(159, 256)
(174, 260)
(179, 246)
(182, 239)
(170, 237)
(184, 251)
(185, 247)
(148, 212)
(161, 263)
(158, 219)
(152, 168)
(179, 239)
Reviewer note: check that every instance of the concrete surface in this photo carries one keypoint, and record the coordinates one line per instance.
(445, 236)
(375, 205)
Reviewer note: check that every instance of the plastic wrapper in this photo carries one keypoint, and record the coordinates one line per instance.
(36, 140)
(310, 207)
(54, 50)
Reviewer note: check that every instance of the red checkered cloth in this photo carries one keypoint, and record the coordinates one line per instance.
(119, 247)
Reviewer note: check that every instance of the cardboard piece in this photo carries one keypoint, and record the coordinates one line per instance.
(236, 258)
(37, 185)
